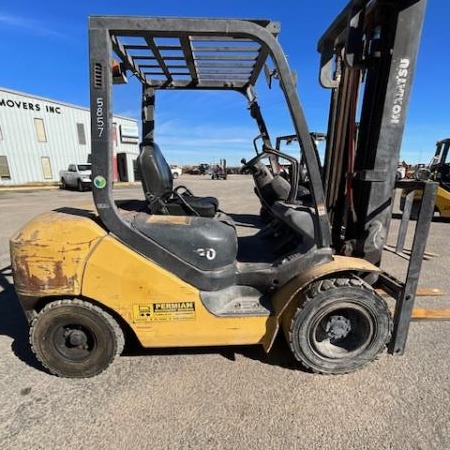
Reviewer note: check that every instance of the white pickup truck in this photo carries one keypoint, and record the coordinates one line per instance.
(176, 171)
(76, 176)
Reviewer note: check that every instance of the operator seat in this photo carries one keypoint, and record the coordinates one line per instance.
(271, 188)
(157, 182)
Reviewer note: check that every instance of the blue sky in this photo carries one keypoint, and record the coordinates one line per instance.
(44, 52)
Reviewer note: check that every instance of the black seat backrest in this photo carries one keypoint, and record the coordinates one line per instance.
(157, 180)
(270, 187)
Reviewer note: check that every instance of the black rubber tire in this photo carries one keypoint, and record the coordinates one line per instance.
(63, 184)
(80, 186)
(62, 320)
(352, 320)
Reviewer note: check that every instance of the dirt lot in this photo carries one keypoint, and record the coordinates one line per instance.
(227, 398)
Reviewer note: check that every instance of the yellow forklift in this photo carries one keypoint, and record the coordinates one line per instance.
(171, 270)
(438, 170)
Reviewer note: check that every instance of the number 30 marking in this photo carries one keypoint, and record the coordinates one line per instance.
(208, 253)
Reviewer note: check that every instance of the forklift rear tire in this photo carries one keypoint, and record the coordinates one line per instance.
(340, 325)
(75, 339)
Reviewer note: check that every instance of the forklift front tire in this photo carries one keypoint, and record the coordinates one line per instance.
(340, 325)
(75, 339)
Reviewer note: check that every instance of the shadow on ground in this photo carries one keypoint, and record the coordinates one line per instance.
(12, 320)
(280, 355)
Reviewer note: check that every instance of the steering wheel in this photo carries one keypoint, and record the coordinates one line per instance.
(252, 162)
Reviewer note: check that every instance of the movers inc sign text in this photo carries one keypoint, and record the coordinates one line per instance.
(28, 106)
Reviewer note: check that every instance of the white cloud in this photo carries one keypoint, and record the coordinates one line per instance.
(31, 26)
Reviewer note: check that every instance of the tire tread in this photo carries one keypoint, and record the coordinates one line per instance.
(312, 292)
(118, 333)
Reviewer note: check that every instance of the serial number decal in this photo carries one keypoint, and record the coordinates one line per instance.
(174, 311)
(99, 116)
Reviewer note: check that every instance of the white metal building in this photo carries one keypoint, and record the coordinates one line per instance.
(39, 137)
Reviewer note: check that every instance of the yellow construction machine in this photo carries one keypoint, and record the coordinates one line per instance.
(438, 170)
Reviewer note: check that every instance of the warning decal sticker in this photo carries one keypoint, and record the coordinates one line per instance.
(151, 312)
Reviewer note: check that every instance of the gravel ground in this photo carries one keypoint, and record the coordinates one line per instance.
(224, 398)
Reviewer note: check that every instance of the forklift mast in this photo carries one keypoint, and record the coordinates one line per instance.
(368, 57)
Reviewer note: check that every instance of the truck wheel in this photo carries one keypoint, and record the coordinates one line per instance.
(339, 326)
(63, 184)
(75, 339)
(79, 186)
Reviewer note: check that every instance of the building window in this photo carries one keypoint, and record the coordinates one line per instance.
(46, 168)
(129, 134)
(4, 168)
(81, 134)
(40, 130)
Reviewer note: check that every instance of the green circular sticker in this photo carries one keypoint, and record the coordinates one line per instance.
(99, 182)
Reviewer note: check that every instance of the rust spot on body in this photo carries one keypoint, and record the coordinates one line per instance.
(51, 275)
(48, 254)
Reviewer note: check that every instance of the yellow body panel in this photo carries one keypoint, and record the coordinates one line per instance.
(48, 254)
(443, 202)
(163, 310)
